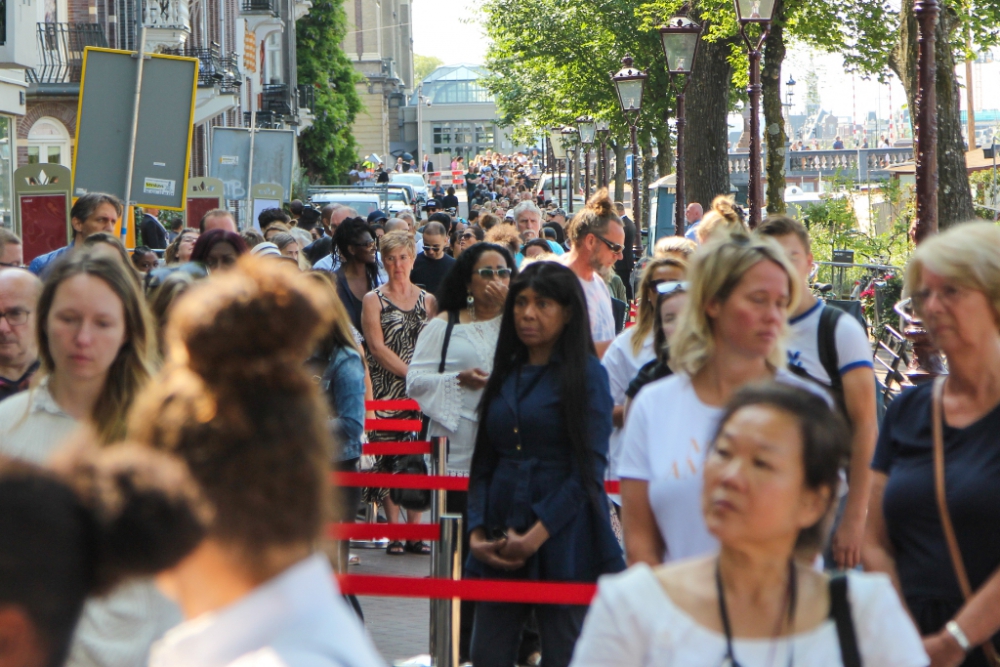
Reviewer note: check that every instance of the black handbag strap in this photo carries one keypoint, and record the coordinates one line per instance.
(452, 321)
(840, 612)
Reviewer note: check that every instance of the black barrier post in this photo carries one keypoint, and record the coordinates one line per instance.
(446, 614)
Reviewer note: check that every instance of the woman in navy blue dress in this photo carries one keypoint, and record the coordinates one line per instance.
(537, 507)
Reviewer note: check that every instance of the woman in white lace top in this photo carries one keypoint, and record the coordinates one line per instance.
(470, 299)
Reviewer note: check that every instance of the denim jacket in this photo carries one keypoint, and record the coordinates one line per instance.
(344, 384)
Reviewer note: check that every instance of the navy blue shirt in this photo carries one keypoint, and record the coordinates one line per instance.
(530, 475)
(972, 481)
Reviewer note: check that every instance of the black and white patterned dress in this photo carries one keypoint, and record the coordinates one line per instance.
(400, 329)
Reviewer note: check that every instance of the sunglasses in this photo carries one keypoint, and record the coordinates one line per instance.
(489, 273)
(468, 237)
(364, 244)
(434, 248)
(616, 248)
(670, 287)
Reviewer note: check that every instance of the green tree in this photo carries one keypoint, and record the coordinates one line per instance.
(327, 148)
(424, 65)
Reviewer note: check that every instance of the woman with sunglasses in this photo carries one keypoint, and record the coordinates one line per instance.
(770, 477)
(359, 271)
(453, 360)
(471, 235)
(729, 335)
(633, 348)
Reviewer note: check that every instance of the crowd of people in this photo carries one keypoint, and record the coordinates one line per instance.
(167, 429)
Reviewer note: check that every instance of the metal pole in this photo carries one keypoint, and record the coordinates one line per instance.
(253, 133)
(754, 194)
(570, 190)
(446, 614)
(636, 218)
(586, 178)
(134, 130)
(679, 212)
(926, 221)
(604, 160)
(439, 550)
(559, 181)
(420, 143)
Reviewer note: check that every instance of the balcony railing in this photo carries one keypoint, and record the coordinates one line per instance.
(60, 49)
(213, 67)
(166, 14)
(266, 120)
(275, 98)
(306, 96)
(864, 164)
(260, 7)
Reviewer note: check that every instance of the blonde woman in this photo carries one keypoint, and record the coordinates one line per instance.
(729, 335)
(723, 219)
(633, 348)
(97, 343)
(392, 316)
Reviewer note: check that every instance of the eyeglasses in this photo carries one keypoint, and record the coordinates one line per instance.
(16, 317)
(671, 287)
(947, 295)
(434, 248)
(468, 236)
(616, 248)
(488, 274)
(364, 244)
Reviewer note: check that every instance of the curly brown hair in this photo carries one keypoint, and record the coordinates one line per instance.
(236, 403)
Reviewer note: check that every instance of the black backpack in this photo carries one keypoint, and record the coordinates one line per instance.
(828, 357)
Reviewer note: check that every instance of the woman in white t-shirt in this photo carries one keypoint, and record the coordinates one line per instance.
(633, 348)
(729, 335)
(770, 477)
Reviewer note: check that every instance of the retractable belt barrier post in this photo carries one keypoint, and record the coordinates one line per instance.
(446, 613)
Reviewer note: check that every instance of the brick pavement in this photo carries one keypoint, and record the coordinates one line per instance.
(398, 626)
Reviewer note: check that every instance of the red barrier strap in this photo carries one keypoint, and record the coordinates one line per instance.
(384, 480)
(483, 590)
(428, 532)
(407, 425)
(396, 448)
(394, 404)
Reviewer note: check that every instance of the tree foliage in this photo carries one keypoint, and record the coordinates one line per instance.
(327, 148)
(424, 65)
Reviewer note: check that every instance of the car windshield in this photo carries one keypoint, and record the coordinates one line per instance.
(412, 179)
(396, 195)
(362, 207)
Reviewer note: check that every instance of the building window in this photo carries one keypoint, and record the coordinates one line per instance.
(48, 142)
(463, 138)
(6, 172)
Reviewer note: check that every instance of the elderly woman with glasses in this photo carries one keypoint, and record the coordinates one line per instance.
(954, 282)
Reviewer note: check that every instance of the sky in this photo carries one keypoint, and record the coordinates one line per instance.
(441, 28)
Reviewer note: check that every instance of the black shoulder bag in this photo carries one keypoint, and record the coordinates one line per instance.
(419, 500)
(840, 612)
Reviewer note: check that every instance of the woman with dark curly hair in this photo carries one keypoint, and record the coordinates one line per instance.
(359, 271)
(236, 404)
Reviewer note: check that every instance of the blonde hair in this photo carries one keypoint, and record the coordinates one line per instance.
(716, 271)
(967, 254)
(646, 318)
(394, 240)
(669, 245)
(722, 219)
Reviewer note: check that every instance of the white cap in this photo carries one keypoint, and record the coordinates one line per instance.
(264, 249)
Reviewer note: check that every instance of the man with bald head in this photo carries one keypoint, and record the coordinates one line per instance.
(331, 216)
(217, 218)
(19, 292)
(692, 218)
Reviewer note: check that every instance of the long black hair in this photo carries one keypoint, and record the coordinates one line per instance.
(347, 234)
(572, 349)
(454, 286)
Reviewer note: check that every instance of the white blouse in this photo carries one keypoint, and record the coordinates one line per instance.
(452, 408)
(32, 425)
(296, 619)
(623, 365)
(634, 623)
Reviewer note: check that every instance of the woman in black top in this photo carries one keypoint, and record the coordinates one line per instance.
(954, 280)
(359, 271)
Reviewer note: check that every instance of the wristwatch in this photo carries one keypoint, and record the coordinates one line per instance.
(955, 630)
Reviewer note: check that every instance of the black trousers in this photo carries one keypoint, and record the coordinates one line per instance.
(496, 633)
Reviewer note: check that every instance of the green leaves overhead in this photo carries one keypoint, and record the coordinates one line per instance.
(327, 148)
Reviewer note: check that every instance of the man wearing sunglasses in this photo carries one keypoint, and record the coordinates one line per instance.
(597, 237)
(432, 264)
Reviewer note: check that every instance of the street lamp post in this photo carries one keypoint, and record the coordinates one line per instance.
(558, 155)
(925, 223)
(760, 12)
(567, 135)
(629, 83)
(588, 131)
(789, 94)
(603, 130)
(680, 38)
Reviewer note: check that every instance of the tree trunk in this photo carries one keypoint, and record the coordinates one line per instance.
(954, 194)
(619, 172)
(706, 135)
(774, 122)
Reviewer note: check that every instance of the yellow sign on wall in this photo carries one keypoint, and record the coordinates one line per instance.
(249, 48)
